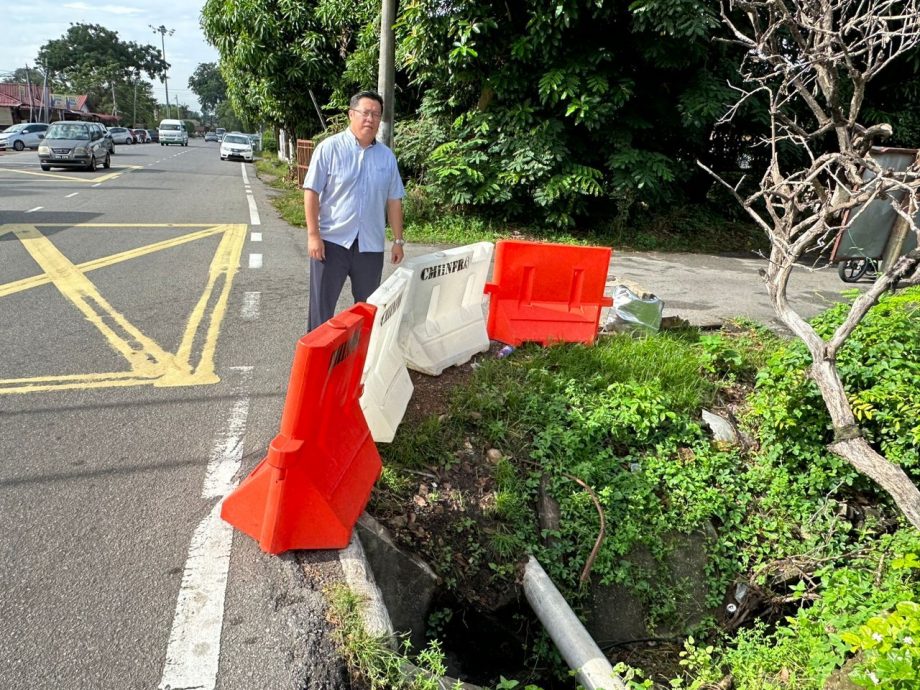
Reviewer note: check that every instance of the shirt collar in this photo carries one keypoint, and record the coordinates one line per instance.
(358, 143)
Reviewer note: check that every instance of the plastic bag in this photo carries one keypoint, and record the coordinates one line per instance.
(631, 310)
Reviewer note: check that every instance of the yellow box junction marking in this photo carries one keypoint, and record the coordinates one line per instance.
(149, 363)
(71, 178)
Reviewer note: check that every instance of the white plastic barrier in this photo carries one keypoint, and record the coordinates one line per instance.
(387, 386)
(444, 323)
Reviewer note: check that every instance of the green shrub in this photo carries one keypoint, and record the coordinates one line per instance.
(880, 368)
(848, 615)
(269, 141)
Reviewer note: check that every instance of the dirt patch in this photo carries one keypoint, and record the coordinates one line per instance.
(449, 514)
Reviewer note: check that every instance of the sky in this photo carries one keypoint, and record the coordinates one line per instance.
(28, 24)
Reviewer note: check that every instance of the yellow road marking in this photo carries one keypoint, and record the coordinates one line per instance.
(144, 355)
(150, 364)
(223, 269)
(102, 262)
(121, 225)
(72, 381)
(70, 178)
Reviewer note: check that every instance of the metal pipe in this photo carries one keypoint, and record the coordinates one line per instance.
(577, 647)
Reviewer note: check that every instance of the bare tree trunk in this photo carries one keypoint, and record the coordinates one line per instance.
(849, 442)
(851, 445)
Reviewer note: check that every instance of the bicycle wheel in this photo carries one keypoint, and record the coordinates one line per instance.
(851, 270)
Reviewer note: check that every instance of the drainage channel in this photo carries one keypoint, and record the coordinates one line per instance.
(480, 648)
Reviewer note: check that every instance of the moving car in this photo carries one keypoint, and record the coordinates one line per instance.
(69, 144)
(220, 131)
(25, 134)
(121, 135)
(173, 132)
(210, 136)
(236, 146)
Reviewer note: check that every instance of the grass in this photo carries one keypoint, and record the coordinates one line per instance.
(370, 659)
(681, 229)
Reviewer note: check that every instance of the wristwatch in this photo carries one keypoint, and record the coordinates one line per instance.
(399, 241)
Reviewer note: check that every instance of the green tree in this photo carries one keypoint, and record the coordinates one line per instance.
(274, 54)
(566, 103)
(208, 84)
(227, 117)
(91, 59)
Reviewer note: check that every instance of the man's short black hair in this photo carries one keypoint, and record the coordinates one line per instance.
(353, 103)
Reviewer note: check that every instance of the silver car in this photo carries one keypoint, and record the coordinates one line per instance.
(71, 144)
(23, 135)
(121, 135)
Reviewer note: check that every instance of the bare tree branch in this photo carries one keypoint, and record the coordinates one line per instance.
(822, 54)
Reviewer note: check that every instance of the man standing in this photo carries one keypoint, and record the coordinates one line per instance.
(351, 189)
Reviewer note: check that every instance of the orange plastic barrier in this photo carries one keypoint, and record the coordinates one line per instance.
(545, 293)
(308, 492)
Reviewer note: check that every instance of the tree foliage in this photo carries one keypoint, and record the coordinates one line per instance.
(89, 53)
(273, 54)
(565, 102)
(534, 110)
(91, 59)
(208, 84)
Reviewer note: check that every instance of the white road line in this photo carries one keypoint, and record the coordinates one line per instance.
(97, 184)
(227, 451)
(255, 261)
(71, 194)
(33, 210)
(253, 211)
(250, 199)
(251, 303)
(255, 236)
(193, 651)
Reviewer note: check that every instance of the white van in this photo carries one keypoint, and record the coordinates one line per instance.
(173, 132)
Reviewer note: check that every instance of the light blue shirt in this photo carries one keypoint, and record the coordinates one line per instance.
(354, 185)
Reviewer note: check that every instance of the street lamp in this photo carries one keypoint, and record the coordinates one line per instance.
(162, 30)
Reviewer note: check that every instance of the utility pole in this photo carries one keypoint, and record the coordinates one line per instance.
(386, 70)
(162, 30)
(29, 85)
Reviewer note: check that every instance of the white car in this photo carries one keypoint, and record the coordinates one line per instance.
(25, 134)
(236, 146)
(173, 132)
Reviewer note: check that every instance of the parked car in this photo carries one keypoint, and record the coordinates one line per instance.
(121, 135)
(25, 134)
(210, 136)
(236, 146)
(153, 135)
(70, 144)
(140, 136)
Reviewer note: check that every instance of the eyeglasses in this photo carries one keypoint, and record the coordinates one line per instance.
(367, 114)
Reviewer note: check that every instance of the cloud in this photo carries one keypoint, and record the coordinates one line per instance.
(111, 9)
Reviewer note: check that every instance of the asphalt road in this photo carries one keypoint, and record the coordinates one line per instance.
(149, 314)
(140, 369)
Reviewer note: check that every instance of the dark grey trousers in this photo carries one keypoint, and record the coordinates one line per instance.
(327, 278)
